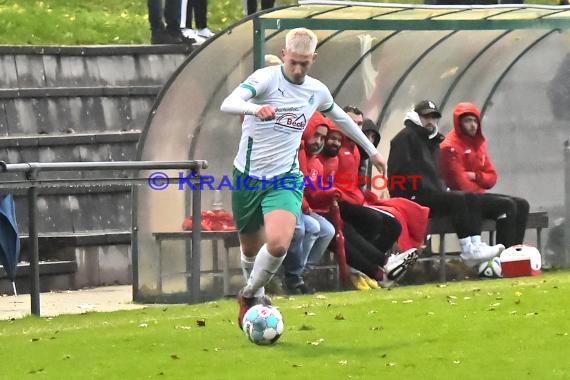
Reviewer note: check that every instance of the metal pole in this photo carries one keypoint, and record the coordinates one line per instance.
(194, 165)
(34, 248)
(258, 44)
(195, 262)
(566, 258)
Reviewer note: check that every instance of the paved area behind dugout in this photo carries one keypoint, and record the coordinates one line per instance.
(107, 298)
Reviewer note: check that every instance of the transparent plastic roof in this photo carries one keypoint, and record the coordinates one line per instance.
(510, 61)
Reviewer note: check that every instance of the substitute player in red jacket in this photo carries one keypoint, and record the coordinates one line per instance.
(465, 165)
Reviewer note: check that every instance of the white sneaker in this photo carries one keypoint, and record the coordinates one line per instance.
(205, 33)
(188, 33)
(476, 254)
(396, 267)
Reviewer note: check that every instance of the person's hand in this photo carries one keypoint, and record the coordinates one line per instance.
(379, 163)
(333, 193)
(471, 176)
(266, 112)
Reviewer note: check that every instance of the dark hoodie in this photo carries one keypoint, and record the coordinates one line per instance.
(461, 153)
(414, 151)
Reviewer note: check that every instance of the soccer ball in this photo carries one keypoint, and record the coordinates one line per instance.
(262, 324)
(491, 268)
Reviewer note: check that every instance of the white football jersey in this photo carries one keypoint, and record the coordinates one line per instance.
(269, 148)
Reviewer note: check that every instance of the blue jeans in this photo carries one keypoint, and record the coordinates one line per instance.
(311, 238)
(324, 237)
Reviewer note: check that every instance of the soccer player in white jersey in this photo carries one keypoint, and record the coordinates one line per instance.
(277, 102)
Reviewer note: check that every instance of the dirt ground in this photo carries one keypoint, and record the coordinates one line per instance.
(107, 298)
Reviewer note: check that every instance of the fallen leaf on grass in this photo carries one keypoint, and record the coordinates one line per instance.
(35, 339)
(495, 304)
(377, 328)
(174, 356)
(532, 313)
(201, 322)
(442, 285)
(390, 364)
(562, 334)
(306, 328)
(183, 327)
(143, 325)
(518, 294)
(339, 317)
(408, 301)
(467, 298)
(309, 314)
(316, 342)
(320, 297)
(343, 362)
(296, 365)
(457, 362)
(430, 313)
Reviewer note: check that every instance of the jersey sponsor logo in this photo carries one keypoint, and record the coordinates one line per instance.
(290, 122)
(314, 173)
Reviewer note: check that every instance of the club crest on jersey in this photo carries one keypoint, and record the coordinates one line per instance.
(291, 121)
(314, 174)
(312, 99)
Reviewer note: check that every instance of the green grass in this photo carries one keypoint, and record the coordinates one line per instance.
(71, 22)
(494, 329)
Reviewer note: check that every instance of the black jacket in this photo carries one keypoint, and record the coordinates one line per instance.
(413, 153)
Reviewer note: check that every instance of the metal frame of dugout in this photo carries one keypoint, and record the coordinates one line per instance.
(32, 183)
(269, 21)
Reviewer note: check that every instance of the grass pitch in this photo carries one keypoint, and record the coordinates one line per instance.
(492, 329)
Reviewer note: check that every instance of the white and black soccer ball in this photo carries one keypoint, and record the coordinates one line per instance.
(263, 325)
(491, 268)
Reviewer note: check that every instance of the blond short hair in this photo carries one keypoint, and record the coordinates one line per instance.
(272, 60)
(301, 41)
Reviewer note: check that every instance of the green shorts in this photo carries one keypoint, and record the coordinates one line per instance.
(253, 198)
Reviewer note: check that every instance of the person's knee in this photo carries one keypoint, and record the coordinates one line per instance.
(312, 226)
(510, 207)
(523, 206)
(327, 230)
(393, 227)
(278, 247)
